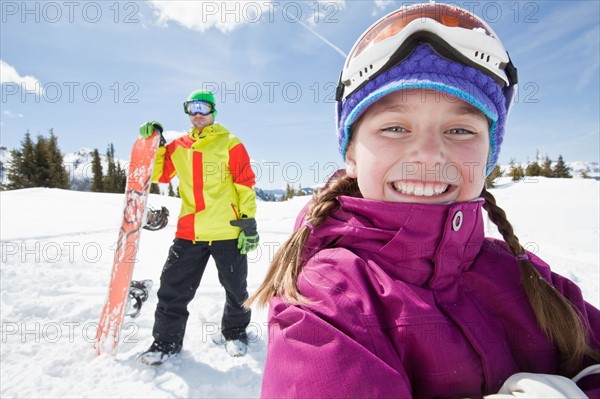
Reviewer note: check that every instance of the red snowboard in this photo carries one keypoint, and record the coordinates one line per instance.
(136, 194)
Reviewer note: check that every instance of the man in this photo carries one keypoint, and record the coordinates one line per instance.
(216, 219)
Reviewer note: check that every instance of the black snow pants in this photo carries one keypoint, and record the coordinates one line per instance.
(181, 277)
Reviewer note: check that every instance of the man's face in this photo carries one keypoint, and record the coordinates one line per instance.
(201, 113)
(200, 121)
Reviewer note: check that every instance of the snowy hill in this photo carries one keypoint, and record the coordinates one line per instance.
(57, 249)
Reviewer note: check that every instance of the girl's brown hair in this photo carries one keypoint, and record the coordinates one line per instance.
(281, 278)
(556, 316)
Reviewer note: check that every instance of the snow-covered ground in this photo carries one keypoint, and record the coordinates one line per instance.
(56, 250)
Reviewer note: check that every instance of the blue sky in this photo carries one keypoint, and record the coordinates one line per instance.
(95, 70)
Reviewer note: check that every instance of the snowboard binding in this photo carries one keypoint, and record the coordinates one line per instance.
(138, 294)
(156, 219)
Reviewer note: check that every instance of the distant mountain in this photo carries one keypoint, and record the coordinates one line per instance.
(79, 167)
(268, 195)
(592, 169)
(578, 167)
(276, 194)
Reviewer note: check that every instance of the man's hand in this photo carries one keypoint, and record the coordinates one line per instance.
(248, 239)
(147, 129)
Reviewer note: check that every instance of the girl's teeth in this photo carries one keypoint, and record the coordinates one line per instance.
(420, 189)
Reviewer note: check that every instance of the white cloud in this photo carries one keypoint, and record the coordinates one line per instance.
(8, 75)
(381, 5)
(589, 52)
(203, 15)
(323, 12)
(556, 26)
(11, 114)
(587, 76)
(331, 6)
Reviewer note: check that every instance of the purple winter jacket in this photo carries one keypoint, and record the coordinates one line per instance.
(409, 300)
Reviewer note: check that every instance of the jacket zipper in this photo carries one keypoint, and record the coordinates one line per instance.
(237, 217)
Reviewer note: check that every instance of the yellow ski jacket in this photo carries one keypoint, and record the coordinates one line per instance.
(216, 182)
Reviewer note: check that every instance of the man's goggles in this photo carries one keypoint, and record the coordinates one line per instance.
(453, 32)
(198, 107)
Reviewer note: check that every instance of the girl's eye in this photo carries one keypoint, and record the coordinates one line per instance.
(394, 129)
(459, 131)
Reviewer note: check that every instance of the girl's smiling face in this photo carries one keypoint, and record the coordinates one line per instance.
(419, 146)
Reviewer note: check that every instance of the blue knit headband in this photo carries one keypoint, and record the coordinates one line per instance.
(425, 69)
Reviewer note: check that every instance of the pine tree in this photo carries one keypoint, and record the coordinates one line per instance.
(561, 169)
(533, 168)
(547, 168)
(113, 181)
(59, 177)
(154, 189)
(3, 172)
(38, 164)
(109, 183)
(41, 158)
(289, 192)
(120, 178)
(22, 169)
(585, 174)
(300, 192)
(97, 174)
(170, 191)
(515, 170)
(494, 175)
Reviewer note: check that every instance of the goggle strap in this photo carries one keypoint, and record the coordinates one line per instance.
(511, 72)
(441, 47)
(339, 90)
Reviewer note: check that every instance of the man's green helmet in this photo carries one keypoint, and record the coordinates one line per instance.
(201, 95)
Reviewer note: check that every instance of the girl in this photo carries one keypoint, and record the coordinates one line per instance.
(388, 288)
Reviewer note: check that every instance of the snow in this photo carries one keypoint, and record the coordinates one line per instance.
(57, 249)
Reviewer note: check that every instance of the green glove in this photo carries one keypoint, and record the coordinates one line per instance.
(248, 239)
(147, 129)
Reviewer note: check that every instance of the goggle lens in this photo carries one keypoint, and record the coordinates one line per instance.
(444, 14)
(198, 107)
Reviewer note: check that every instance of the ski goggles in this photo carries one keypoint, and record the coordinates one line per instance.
(453, 32)
(198, 107)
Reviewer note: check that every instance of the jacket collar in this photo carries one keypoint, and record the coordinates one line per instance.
(215, 128)
(419, 243)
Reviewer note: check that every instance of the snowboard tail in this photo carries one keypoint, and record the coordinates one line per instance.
(139, 180)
